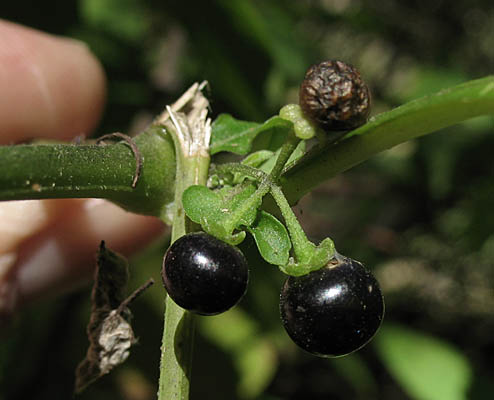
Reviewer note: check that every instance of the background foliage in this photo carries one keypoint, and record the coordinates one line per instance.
(420, 215)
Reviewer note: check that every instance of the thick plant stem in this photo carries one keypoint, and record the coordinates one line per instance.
(47, 171)
(178, 332)
(191, 134)
(176, 353)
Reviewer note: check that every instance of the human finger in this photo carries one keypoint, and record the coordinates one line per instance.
(51, 87)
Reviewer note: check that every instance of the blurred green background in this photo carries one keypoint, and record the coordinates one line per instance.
(420, 215)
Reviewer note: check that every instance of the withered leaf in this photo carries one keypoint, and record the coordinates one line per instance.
(109, 330)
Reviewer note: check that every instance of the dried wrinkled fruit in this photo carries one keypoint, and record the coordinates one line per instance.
(334, 96)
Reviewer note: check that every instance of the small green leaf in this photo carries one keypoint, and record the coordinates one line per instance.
(209, 209)
(426, 367)
(272, 239)
(233, 202)
(230, 134)
(201, 203)
(236, 136)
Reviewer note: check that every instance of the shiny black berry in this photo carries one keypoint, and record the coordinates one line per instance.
(203, 274)
(333, 311)
(334, 96)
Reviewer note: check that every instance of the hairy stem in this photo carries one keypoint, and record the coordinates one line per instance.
(286, 151)
(251, 172)
(266, 181)
(191, 134)
(45, 171)
(178, 332)
(302, 247)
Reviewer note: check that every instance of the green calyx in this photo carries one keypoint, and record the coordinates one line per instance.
(318, 258)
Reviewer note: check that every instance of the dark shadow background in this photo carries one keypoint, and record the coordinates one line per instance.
(420, 215)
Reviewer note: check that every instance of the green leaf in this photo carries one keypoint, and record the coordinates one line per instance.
(382, 132)
(233, 202)
(426, 367)
(201, 203)
(272, 239)
(210, 209)
(236, 136)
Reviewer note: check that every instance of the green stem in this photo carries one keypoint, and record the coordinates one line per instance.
(46, 171)
(178, 332)
(251, 172)
(412, 120)
(286, 151)
(302, 247)
(266, 180)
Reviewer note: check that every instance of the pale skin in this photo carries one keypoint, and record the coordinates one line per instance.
(52, 87)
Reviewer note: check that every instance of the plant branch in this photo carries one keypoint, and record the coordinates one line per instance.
(302, 247)
(412, 120)
(45, 171)
(286, 151)
(191, 135)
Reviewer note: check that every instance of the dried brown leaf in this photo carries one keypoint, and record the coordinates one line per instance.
(109, 330)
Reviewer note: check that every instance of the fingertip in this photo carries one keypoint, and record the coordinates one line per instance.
(50, 87)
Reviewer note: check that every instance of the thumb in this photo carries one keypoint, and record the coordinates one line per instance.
(51, 87)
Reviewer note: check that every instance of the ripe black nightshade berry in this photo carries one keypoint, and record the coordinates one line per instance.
(333, 311)
(203, 274)
(334, 96)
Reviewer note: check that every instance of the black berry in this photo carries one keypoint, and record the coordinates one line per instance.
(332, 311)
(203, 274)
(334, 96)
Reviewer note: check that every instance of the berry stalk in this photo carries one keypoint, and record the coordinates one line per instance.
(302, 247)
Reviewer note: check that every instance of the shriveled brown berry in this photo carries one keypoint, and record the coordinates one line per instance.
(334, 96)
